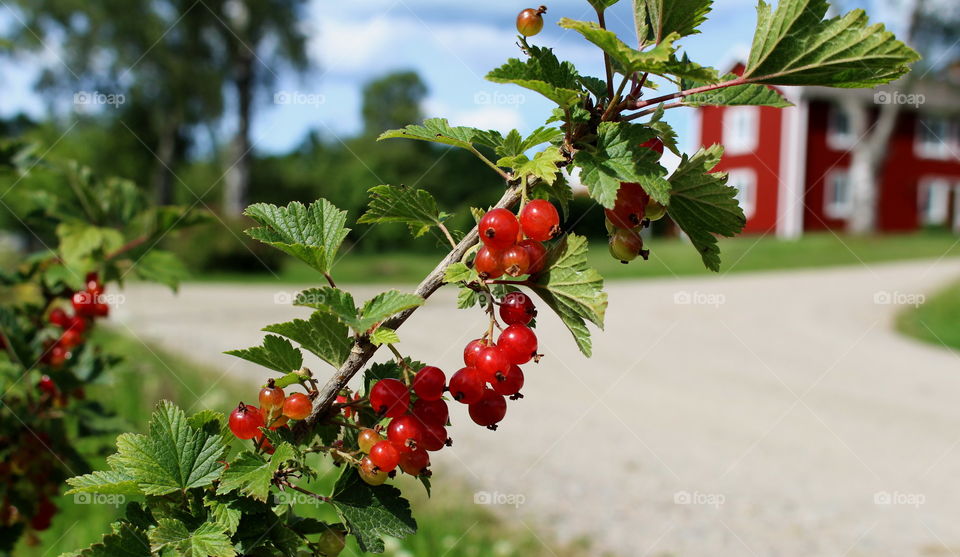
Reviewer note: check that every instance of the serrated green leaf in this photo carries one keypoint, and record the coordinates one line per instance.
(312, 233)
(209, 539)
(172, 457)
(656, 19)
(572, 289)
(124, 541)
(384, 305)
(370, 513)
(106, 482)
(80, 242)
(457, 272)
(163, 267)
(543, 165)
(543, 73)
(439, 130)
(384, 335)
(794, 45)
(251, 474)
(276, 354)
(703, 205)
(601, 5)
(514, 144)
(628, 60)
(324, 335)
(414, 207)
(618, 158)
(331, 300)
(750, 94)
(341, 305)
(226, 512)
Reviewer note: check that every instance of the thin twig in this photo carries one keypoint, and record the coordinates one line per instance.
(606, 59)
(447, 234)
(329, 280)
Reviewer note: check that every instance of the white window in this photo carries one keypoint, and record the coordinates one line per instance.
(935, 138)
(837, 195)
(934, 201)
(840, 134)
(740, 129)
(745, 180)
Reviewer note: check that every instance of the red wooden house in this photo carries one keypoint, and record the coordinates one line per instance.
(792, 165)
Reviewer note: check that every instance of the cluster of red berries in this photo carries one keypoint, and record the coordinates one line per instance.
(276, 408)
(32, 463)
(491, 373)
(88, 305)
(514, 246)
(632, 211)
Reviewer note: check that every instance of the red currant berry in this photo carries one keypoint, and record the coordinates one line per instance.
(60, 318)
(429, 383)
(511, 383)
(628, 210)
(405, 432)
(390, 398)
(278, 422)
(655, 211)
(78, 323)
(101, 310)
(537, 254)
(246, 421)
(385, 456)
(489, 410)
(297, 406)
(626, 245)
(530, 21)
(371, 473)
(540, 220)
(93, 281)
(83, 303)
(367, 438)
(71, 338)
(498, 229)
(492, 363)
(47, 385)
(57, 355)
(518, 344)
(430, 412)
(472, 350)
(655, 144)
(271, 397)
(414, 462)
(515, 261)
(466, 385)
(488, 263)
(45, 511)
(434, 437)
(517, 307)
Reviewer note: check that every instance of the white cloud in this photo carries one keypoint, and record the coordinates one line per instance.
(500, 118)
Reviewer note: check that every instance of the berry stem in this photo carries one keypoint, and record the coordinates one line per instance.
(606, 58)
(507, 177)
(316, 496)
(684, 93)
(446, 233)
(402, 363)
(132, 244)
(329, 280)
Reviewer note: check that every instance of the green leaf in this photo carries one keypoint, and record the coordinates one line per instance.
(514, 144)
(656, 19)
(703, 205)
(384, 335)
(124, 541)
(161, 266)
(172, 457)
(340, 304)
(331, 300)
(457, 272)
(572, 289)
(81, 242)
(543, 165)
(750, 94)
(323, 334)
(312, 233)
(438, 130)
(627, 59)
(107, 482)
(617, 158)
(414, 207)
(209, 539)
(543, 73)
(226, 512)
(251, 474)
(276, 354)
(384, 305)
(794, 45)
(370, 513)
(601, 5)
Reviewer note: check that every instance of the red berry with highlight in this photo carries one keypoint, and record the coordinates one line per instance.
(47, 385)
(488, 263)
(492, 363)
(390, 398)
(466, 385)
(385, 456)
(489, 410)
(60, 318)
(515, 261)
(405, 432)
(434, 437)
(630, 206)
(518, 343)
(367, 438)
(429, 383)
(537, 254)
(511, 383)
(271, 397)
(430, 412)
(414, 462)
(297, 406)
(472, 351)
(540, 220)
(246, 421)
(517, 307)
(530, 21)
(498, 229)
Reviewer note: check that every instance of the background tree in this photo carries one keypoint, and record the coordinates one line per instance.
(392, 101)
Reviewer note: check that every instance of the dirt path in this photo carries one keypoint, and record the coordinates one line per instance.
(755, 415)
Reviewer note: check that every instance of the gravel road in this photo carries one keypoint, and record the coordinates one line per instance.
(768, 414)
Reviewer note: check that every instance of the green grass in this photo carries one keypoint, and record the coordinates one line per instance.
(669, 256)
(937, 320)
(450, 523)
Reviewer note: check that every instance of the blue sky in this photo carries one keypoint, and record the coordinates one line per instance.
(452, 45)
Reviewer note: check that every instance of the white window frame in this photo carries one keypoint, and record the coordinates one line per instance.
(746, 196)
(741, 129)
(831, 208)
(941, 187)
(943, 149)
(837, 140)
